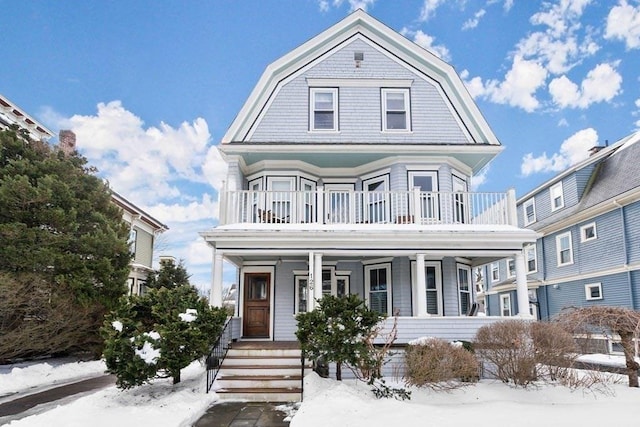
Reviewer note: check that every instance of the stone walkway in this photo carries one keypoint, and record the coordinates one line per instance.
(240, 414)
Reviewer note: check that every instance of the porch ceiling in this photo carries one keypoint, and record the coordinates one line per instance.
(482, 244)
(475, 156)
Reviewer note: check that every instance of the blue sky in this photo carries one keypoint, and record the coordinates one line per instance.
(150, 87)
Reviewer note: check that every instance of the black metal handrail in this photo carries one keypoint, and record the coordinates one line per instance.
(302, 363)
(218, 353)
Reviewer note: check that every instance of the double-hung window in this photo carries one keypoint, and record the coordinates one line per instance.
(378, 287)
(323, 110)
(505, 305)
(531, 258)
(564, 249)
(495, 272)
(557, 199)
(395, 110)
(511, 268)
(529, 208)
(464, 288)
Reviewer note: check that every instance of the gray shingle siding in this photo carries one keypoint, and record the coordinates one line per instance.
(359, 109)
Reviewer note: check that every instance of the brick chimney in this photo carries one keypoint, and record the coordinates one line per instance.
(67, 142)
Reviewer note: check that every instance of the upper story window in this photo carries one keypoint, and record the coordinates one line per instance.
(557, 199)
(564, 249)
(588, 232)
(531, 258)
(511, 267)
(495, 272)
(395, 110)
(529, 209)
(133, 239)
(323, 109)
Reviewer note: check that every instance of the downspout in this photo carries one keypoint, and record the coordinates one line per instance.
(543, 272)
(625, 251)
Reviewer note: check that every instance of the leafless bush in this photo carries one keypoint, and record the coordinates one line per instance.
(371, 366)
(620, 321)
(555, 349)
(509, 351)
(439, 365)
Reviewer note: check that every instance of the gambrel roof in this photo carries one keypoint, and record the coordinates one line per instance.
(402, 50)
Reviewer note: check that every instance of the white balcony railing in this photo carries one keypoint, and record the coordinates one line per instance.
(366, 207)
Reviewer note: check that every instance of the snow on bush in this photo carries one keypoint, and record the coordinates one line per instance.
(189, 315)
(117, 325)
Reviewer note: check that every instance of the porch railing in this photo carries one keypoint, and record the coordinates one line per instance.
(218, 353)
(367, 207)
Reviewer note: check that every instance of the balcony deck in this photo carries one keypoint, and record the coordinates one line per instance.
(367, 207)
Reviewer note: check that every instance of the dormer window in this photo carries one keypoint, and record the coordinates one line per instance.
(529, 208)
(395, 110)
(557, 199)
(323, 109)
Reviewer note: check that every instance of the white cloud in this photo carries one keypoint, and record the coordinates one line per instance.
(573, 150)
(518, 88)
(199, 252)
(142, 163)
(428, 9)
(637, 114)
(473, 22)
(601, 84)
(353, 4)
(214, 168)
(207, 208)
(623, 23)
(480, 178)
(426, 41)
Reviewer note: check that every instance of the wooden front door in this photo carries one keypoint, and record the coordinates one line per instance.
(257, 303)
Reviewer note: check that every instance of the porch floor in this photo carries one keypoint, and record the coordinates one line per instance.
(266, 345)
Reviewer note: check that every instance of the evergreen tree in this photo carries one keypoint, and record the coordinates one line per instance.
(169, 276)
(159, 333)
(64, 257)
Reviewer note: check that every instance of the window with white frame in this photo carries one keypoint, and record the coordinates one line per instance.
(511, 267)
(333, 282)
(529, 209)
(302, 294)
(323, 110)
(588, 232)
(133, 237)
(464, 288)
(557, 198)
(531, 258)
(495, 272)
(564, 249)
(433, 287)
(593, 291)
(505, 305)
(378, 287)
(395, 110)
(376, 199)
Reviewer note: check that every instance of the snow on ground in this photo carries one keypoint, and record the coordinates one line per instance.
(34, 376)
(157, 404)
(332, 403)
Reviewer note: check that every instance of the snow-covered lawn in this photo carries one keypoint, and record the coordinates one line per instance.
(331, 403)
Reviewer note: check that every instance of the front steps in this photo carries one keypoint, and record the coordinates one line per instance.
(261, 372)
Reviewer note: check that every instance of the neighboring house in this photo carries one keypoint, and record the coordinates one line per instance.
(588, 249)
(143, 231)
(143, 228)
(11, 114)
(349, 169)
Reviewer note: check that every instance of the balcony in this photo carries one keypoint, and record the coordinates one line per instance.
(367, 207)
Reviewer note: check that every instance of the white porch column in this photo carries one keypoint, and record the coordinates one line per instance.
(317, 278)
(521, 287)
(420, 307)
(311, 283)
(215, 298)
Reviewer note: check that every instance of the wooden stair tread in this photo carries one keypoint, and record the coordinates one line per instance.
(259, 390)
(259, 367)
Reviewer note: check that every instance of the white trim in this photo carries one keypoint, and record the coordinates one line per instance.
(313, 92)
(437, 266)
(587, 291)
(560, 237)
(257, 269)
(358, 82)
(389, 285)
(511, 275)
(406, 98)
(583, 236)
(376, 261)
(503, 298)
(469, 286)
(531, 202)
(553, 189)
(534, 248)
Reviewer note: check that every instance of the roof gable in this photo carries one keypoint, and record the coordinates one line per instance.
(360, 24)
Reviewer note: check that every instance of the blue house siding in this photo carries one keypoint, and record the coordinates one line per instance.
(634, 277)
(607, 250)
(359, 109)
(632, 218)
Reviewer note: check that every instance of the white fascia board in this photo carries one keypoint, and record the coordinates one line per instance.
(359, 21)
(443, 149)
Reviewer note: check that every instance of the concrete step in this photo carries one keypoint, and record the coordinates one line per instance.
(260, 394)
(264, 370)
(266, 352)
(260, 360)
(259, 381)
